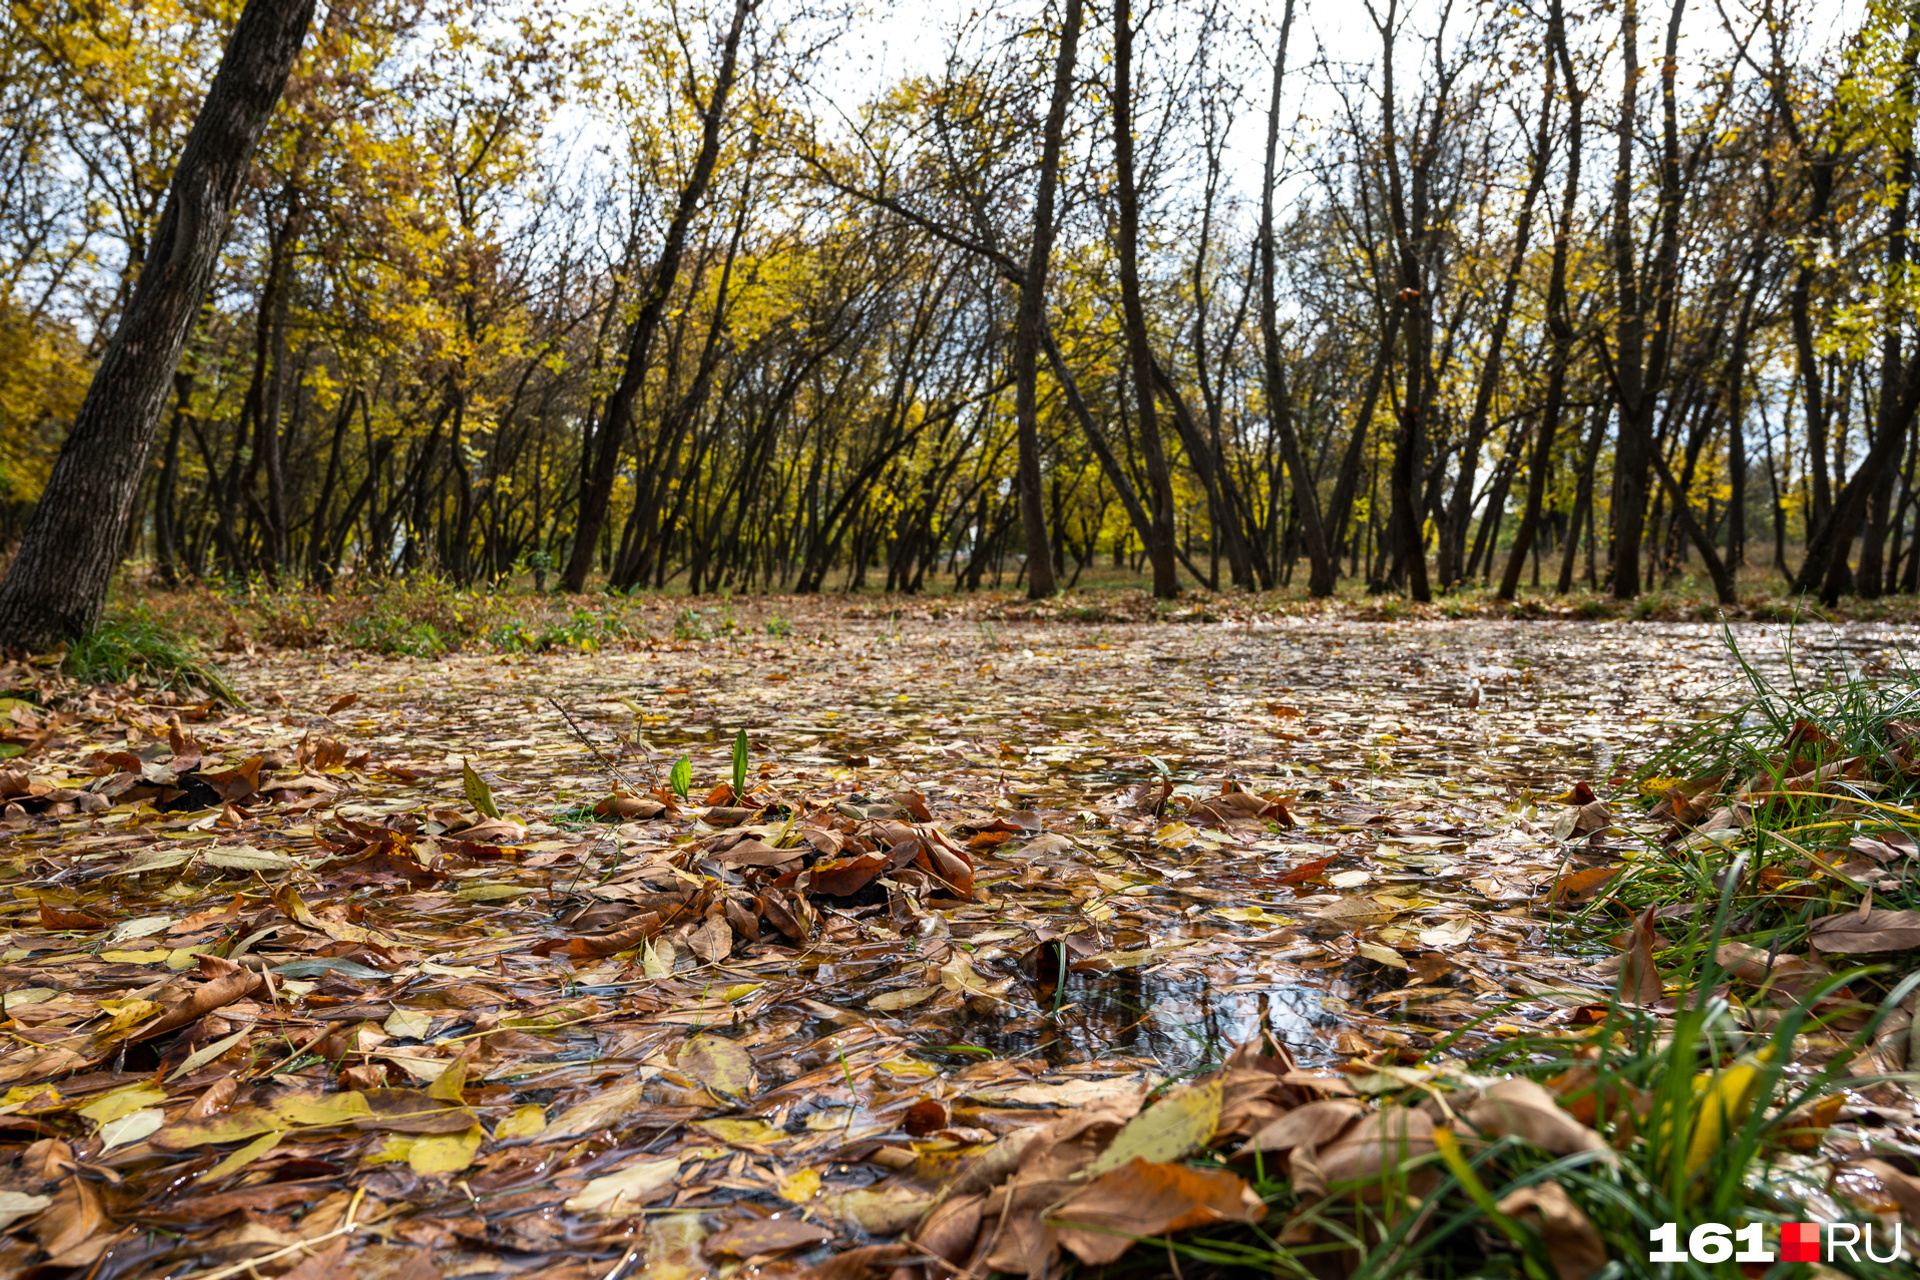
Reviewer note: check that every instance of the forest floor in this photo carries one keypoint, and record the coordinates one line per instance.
(768, 932)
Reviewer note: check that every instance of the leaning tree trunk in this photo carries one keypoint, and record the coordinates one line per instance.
(1166, 582)
(1030, 314)
(597, 493)
(58, 582)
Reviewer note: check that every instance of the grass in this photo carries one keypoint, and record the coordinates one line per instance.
(1808, 776)
(1717, 1104)
(140, 647)
(1705, 1121)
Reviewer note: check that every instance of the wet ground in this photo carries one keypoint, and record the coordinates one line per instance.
(1419, 756)
(1375, 889)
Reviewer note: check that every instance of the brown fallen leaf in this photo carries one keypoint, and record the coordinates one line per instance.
(54, 918)
(1315, 1124)
(1389, 1138)
(929, 1115)
(226, 983)
(1142, 1198)
(764, 1236)
(626, 808)
(1579, 886)
(72, 1221)
(330, 1264)
(861, 1263)
(1640, 982)
(1523, 1109)
(1852, 933)
(1572, 1241)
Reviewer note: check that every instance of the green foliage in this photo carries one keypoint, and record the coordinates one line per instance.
(680, 777)
(1703, 1121)
(1780, 732)
(740, 767)
(139, 646)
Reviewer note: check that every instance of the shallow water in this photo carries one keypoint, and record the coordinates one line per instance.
(1420, 755)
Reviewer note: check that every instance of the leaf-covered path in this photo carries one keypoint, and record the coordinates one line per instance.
(278, 989)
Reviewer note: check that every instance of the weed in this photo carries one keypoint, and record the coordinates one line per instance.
(779, 627)
(1801, 777)
(1701, 1120)
(140, 646)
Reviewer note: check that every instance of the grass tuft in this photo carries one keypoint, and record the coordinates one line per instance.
(138, 647)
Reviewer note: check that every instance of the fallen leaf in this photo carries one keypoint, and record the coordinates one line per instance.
(764, 1236)
(1851, 933)
(1101, 1221)
(1573, 1242)
(627, 1190)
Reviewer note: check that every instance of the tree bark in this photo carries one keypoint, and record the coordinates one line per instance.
(1166, 582)
(58, 582)
(1030, 316)
(1322, 572)
(617, 419)
(1459, 507)
(1560, 333)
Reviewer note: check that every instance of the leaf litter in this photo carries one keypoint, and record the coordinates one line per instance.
(899, 945)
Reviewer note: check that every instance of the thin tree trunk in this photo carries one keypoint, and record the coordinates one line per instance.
(617, 418)
(1030, 316)
(1322, 572)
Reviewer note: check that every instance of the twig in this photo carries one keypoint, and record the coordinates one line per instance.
(622, 1265)
(344, 1229)
(587, 742)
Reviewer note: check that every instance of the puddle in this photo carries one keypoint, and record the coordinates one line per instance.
(1414, 755)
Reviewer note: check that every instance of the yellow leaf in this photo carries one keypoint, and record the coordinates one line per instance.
(31, 1097)
(408, 1024)
(242, 1122)
(321, 1108)
(525, 1122)
(450, 1085)
(741, 1132)
(718, 1063)
(445, 1153)
(131, 1127)
(111, 1106)
(889, 1001)
(1168, 1130)
(127, 1013)
(479, 794)
(800, 1186)
(627, 1190)
(1723, 1100)
(245, 1155)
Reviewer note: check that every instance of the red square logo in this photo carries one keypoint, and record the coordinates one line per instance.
(1800, 1242)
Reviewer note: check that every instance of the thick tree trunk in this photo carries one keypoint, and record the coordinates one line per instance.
(59, 580)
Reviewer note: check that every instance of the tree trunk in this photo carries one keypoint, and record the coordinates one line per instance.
(1459, 510)
(617, 418)
(1322, 572)
(1560, 334)
(59, 579)
(1166, 582)
(1030, 316)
